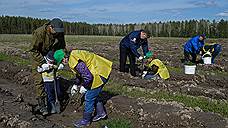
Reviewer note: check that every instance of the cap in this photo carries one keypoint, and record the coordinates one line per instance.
(50, 56)
(59, 55)
(57, 25)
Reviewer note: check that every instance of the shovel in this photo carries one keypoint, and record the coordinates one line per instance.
(142, 65)
(57, 103)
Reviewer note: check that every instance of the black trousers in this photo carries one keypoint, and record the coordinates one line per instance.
(124, 53)
(187, 57)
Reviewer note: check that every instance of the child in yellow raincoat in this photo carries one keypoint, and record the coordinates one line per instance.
(154, 67)
(93, 72)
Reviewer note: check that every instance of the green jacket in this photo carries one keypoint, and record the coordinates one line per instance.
(43, 41)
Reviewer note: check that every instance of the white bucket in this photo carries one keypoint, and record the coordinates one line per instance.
(207, 60)
(189, 69)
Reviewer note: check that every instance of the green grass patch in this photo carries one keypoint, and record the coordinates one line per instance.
(175, 69)
(116, 123)
(207, 105)
(66, 74)
(15, 59)
(15, 38)
(84, 39)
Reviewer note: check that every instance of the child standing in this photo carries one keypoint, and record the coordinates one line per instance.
(48, 72)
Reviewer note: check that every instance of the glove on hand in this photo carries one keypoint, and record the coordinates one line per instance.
(144, 74)
(61, 66)
(82, 90)
(44, 67)
(140, 58)
(74, 90)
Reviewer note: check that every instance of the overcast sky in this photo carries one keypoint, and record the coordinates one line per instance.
(117, 11)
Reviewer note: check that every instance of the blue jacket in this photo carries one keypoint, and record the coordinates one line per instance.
(194, 45)
(133, 41)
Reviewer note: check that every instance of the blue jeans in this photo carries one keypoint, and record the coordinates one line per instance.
(50, 90)
(92, 97)
(149, 76)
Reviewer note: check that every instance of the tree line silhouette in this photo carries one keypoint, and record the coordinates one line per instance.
(187, 28)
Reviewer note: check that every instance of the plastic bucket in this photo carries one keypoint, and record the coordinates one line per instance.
(189, 69)
(207, 60)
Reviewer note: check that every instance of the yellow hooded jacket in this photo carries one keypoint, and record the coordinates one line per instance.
(97, 65)
(162, 70)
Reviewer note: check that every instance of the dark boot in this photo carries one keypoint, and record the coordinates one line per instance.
(100, 112)
(42, 106)
(85, 121)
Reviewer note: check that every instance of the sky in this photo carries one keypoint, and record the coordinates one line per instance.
(117, 11)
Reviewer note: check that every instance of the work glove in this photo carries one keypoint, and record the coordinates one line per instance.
(140, 58)
(44, 67)
(82, 90)
(39, 69)
(61, 66)
(144, 74)
(74, 89)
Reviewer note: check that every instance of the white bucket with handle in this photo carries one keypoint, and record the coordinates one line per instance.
(206, 60)
(189, 69)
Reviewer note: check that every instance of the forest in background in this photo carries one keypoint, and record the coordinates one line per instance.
(187, 28)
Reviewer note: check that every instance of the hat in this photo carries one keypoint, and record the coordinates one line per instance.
(57, 25)
(50, 56)
(203, 35)
(59, 55)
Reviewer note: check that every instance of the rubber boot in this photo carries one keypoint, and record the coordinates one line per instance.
(100, 112)
(53, 108)
(42, 106)
(85, 121)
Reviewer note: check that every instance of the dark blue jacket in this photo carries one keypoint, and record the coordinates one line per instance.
(194, 45)
(133, 41)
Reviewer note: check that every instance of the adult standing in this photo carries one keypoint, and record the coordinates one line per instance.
(49, 37)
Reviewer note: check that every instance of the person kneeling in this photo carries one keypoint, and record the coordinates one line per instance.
(211, 50)
(153, 68)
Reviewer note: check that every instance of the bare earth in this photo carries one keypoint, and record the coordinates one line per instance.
(17, 92)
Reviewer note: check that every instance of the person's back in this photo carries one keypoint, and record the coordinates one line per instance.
(128, 48)
(133, 41)
(211, 50)
(93, 70)
(192, 47)
(155, 67)
(95, 63)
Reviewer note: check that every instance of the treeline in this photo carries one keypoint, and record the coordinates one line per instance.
(187, 28)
